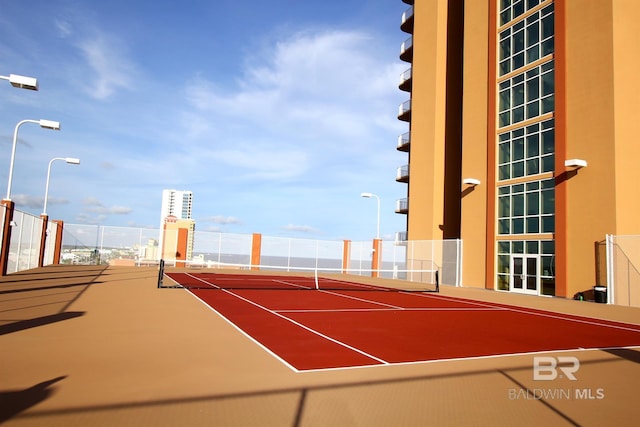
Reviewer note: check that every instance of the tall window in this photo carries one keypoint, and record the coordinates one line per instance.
(525, 141)
(528, 39)
(526, 151)
(526, 95)
(526, 208)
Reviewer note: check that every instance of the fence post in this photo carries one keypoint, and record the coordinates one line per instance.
(459, 269)
(43, 238)
(256, 248)
(6, 236)
(346, 256)
(376, 255)
(58, 246)
(610, 269)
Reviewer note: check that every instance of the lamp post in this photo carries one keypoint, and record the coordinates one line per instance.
(369, 195)
(46, 124)
(71, 161)
(21, 82)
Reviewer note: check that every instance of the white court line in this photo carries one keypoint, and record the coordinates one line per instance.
(213, 285)
(364, 300)
(370, 356)
(331, 310)
(232, 279)
(291, 284)
(458, 359)
(236, 327)
(308, 328)
(533, 313)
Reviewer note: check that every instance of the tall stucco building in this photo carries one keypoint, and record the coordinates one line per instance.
(177, 238)
(521, 136)
(176, 204)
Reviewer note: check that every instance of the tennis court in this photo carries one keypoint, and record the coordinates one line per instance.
(88, 345)
(315, 323)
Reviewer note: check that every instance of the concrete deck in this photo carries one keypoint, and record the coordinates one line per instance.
(89, 345)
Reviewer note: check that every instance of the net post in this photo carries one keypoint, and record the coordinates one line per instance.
(438, 281)
(315, 274)
(160, 272)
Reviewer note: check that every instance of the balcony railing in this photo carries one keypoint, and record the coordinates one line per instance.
(407, 21)
(406, 50)
(404, 111)
(402, 206)
(401, 236)
(403, 141)
(402, 175)
(405, 81)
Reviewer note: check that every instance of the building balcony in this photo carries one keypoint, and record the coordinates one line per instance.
(402, 175)
(406, 50)
(401, 237)
(402, 206)
(404, 111)
(406, 81)
(407, 21)
(404, 141)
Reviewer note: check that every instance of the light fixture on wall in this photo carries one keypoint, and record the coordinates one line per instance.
(575, 163)
(471, 181)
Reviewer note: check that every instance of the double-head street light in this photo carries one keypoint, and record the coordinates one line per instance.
(46, 124)
(71, 161)
(21, 82)
(369, 195)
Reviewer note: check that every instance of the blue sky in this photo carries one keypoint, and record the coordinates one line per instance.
(277, 114)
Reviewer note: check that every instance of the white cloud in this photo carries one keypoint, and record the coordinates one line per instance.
(107, 58)
(263, 161)
(93, 205)
(83, 218)
(301, 228)
(35, 202)
(304, 105)
(64, 27)
(221, 219)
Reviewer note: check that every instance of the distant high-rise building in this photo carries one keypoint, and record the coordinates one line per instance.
(175, 203)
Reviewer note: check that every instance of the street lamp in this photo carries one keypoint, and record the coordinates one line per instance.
(369, 195)
(46, 124)
(21, 82)
(71, 161)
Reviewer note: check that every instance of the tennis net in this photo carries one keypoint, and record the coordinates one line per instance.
(297, 278)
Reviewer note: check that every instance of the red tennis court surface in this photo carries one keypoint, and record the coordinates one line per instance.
(319, 329)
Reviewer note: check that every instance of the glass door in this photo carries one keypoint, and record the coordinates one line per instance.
(525, 276)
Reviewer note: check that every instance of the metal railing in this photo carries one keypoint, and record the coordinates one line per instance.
(97, 244)
(402, 173)
(404, 108)
(26, 240)
(404, 140)
(406, 45)
(103, 244)
(406, 75)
